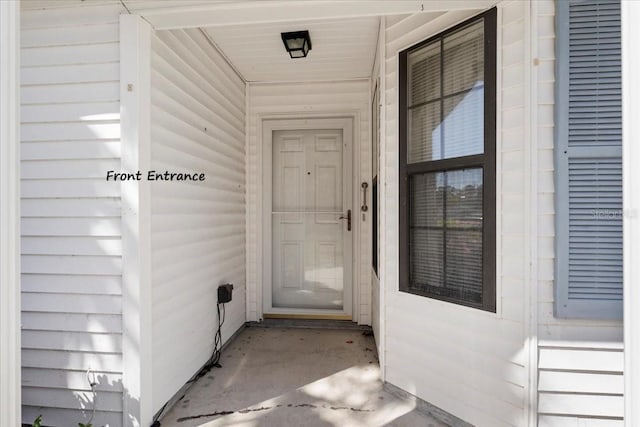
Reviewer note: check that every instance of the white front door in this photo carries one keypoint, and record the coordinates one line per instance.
(311, 223)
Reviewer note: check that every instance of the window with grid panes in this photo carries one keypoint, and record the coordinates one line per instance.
(447, 165)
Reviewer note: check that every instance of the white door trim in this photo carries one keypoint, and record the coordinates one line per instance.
(267, 126)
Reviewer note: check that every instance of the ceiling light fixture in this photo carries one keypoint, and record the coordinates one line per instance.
(297, 43)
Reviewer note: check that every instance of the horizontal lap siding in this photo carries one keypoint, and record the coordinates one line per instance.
(71, 233)
(197, 228)
(467, 362)
(294, 100)
(570, 394)
(581, 382)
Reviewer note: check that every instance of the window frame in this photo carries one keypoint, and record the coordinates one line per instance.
(375, 149)
(487, 161)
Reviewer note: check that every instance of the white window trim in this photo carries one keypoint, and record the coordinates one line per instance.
(631, 204)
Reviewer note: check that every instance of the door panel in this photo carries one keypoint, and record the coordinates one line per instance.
(308, 236)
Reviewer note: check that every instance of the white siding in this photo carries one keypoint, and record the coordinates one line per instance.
(197, 228)
(71, 248)
(580, 383)
(465, 361)
(571, 341)
(298, 100)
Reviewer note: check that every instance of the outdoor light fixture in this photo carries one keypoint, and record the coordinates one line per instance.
(297, 43)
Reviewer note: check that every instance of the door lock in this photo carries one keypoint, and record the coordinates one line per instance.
(348, 218)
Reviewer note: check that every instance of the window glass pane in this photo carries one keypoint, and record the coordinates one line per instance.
(424, 74)
(424, 136)
(427, 200)
(463, 124)
(463, 53)
(464, 265)
(445, 242)
(426, 240)
(464, 198)
(457, 130)
(427, 259)
(464, 234)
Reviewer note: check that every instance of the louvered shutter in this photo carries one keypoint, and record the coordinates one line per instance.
(588, 160)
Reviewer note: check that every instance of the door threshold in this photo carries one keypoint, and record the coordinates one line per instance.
(307, 316)
(310, 324)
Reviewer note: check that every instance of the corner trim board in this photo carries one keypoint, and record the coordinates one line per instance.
(135, 84)
(10, 379)
(631, 206)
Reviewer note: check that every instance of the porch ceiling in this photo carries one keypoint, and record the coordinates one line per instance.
(341, 49)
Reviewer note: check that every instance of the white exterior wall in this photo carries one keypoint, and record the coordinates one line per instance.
(470, 363)
(580, 361)
(197, 228)
(71, 227)
(306, 100)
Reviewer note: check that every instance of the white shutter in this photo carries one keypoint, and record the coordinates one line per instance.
(589, 160)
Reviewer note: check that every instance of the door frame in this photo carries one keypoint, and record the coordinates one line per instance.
(268, 126)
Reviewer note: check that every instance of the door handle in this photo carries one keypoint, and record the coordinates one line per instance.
(348, 218)
(364, 206)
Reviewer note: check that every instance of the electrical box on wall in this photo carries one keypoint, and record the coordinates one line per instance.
(224, 293)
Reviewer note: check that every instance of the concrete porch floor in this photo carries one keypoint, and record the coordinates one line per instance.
(279, 377)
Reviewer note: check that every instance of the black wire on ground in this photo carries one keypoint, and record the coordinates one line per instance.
(213, 362)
